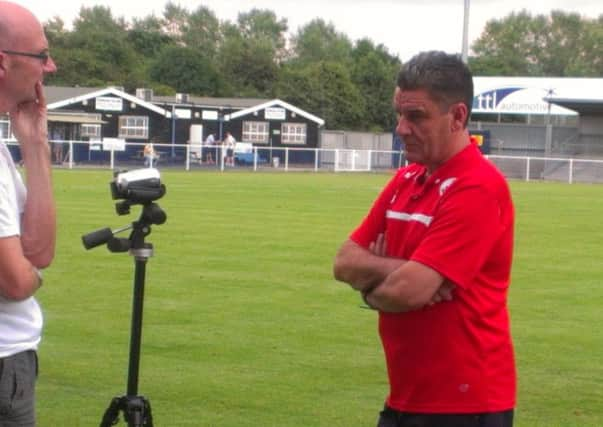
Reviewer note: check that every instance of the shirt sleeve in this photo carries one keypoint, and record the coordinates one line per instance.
(465, 228)
(9, 220)
(374, 222)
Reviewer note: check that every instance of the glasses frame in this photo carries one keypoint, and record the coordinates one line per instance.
(43, 56)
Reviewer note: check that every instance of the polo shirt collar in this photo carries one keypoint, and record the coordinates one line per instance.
(455, 165)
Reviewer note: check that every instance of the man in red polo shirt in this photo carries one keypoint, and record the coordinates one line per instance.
(433, 256)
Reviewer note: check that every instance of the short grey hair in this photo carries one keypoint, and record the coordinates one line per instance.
(444, 76)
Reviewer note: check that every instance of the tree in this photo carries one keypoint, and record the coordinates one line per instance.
(374, 73)
(175, 20)
(147, 38)
(319, 41)
(507, 44)
(56, 32)
(263, 27)
(326, 89)
(571, 46)
(590, 62)
(58, 39)
(202, 32)
(183, 69)
(104, 42)
(562, 44)
(249, 54)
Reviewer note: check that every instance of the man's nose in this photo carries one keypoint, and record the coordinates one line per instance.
(50, 66)
(402, 128)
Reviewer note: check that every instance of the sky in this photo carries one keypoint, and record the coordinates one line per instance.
(405, 27)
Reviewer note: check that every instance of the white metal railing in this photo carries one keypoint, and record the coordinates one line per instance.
(259, 158)
(550, 168)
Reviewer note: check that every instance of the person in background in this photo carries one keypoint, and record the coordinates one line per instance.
(27, 211)
(210, 142)
(433, 257)
(58, 143)
(229, 146)
(149, 154)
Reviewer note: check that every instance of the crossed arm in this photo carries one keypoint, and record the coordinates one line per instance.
(389, 284)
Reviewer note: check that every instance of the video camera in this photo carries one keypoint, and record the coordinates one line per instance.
(140, 186)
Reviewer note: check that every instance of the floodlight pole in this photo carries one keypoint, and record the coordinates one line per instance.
(465, 48)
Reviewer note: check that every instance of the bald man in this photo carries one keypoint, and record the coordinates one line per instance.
(27, 211)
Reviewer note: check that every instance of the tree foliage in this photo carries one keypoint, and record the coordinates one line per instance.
(147, 38)
(319, 41)
(347, 83)
(202, 32)
(560, 45)
(326, 89)
(374, 73)
(250, 53)
(183, 69)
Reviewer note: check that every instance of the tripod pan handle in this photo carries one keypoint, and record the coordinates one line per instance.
(96, 238)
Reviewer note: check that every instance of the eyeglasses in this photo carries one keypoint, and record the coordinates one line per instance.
(42, 56)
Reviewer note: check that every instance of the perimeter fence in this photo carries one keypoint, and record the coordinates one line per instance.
(86, 154)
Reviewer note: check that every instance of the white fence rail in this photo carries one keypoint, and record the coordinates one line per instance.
(550, 169)
(203, 157)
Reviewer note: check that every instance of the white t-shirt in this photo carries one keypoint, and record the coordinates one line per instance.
(20, 321)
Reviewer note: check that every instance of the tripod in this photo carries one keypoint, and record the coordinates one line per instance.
(136, 409)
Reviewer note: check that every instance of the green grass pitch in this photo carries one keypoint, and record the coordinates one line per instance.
(245, 326)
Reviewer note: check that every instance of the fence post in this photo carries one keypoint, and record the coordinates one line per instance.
(354, 160)
(286, 159)
(187, 163)
(336, 164)
(70, 154)
(255, 159)
(316, 159)
(112, 159)
(528, 169)
(370, 160)
(571, 171)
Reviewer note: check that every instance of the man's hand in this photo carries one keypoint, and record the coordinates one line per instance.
(379, 246)
(361, 268)
(444, 293)
(28, 123)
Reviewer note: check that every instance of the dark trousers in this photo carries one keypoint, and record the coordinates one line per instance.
(18, 375)
(392, 418)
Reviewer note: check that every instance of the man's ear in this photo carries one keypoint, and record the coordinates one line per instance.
(459, 116)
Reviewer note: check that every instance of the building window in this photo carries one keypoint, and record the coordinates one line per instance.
(91, 131)
(255, 132)
(293, 133)
(4, 127)
(134, 127)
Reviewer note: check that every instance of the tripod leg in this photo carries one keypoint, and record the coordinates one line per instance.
(147, 406)
(112, 413)
(138, 412)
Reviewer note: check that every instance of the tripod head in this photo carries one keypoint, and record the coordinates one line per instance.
(140, 186)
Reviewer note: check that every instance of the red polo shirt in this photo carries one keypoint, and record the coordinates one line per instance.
(457, 356)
